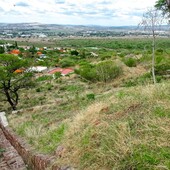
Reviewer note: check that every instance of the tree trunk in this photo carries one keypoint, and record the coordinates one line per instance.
(9, 99)
(153, 58)
(168, 3)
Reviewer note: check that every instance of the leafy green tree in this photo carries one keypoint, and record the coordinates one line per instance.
(164, 6)
(16, 45)
(74, 52)
(11, 81)
(2, 50)
(33, 50)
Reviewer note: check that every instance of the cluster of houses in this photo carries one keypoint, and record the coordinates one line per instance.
(47, 71)
(40, 69)
(39, 52)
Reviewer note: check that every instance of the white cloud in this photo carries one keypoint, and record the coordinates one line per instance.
(98, 12)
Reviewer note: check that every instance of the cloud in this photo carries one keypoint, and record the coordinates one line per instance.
(60, 1)
(22, 4)
(13, 12)
(96, 12)
(1, 10)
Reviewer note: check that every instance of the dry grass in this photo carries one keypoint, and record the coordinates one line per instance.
(123, 128)
(112, 135)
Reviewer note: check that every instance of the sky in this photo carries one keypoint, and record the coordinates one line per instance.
(75, 12)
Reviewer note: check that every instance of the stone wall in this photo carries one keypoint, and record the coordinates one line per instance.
(33, 160)
(9, 158)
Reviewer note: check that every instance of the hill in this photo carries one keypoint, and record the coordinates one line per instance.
(107, 114)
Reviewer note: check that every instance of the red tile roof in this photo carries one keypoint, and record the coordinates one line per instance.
(39, 53)
(15, 52)
(19, 71)
(63, 71)
(67, 71)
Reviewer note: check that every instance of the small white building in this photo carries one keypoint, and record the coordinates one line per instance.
(38, 69)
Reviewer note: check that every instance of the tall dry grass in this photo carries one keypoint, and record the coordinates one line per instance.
(127, 131)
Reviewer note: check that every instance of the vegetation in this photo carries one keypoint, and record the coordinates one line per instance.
(164, 6)
(151, 20)
(125, 130)
(10, 81)
(107, 114)
(103, 71)
(130, 62)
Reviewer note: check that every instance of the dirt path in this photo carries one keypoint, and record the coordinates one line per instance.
(9, 158)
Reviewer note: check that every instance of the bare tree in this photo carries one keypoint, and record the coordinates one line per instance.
(151, 22)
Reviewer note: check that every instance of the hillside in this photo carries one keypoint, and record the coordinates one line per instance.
(124, 128)
(105, 115)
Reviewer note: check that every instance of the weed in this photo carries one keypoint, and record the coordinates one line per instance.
(90, 96)
(50, 141)
(160, 111)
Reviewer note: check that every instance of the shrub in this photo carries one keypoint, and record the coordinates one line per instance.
(74, 52)
(141, 80)
(159, 51)
(38, 90)
(105, 57)
(44, 78)
(158, 59)
(57, 75)
(104, 71)
(130, 62)
(107, 71)
(88, 72)
(162, 69)
(74, 88)
(49, 86)
(83, 63)
(67, 62)
(90, 96)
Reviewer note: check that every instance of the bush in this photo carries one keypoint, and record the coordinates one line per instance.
(44, 78)
(38, 90)
(162, 69)
(141, 80)
(107, 71)
(84, 63)
(67, 62)
(159, 59)
(105, 57)
(90, 96)
(49, 86)
(104, 71)
(130, 62)
(88, 72)
(57, 75)
(159, 51)
(74, 52)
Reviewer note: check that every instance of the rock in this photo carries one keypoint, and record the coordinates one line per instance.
(3, 119)
(17, 111)
(14, 111)
(67, 168)
(59, 151)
